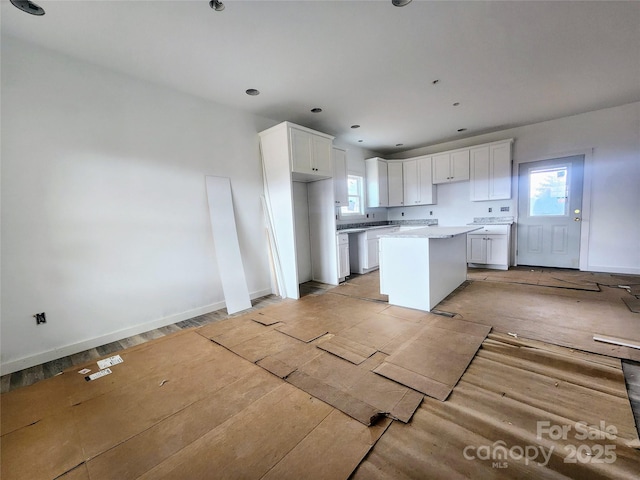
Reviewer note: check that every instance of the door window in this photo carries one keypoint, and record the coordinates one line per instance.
(548, 191)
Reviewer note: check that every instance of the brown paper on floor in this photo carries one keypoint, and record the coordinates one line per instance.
(563, 317)
(249, 444)
(435, 359)
(46, 449)
(323, 454)
(144, 451)
(346, 349)
(355, 389)
(632, 303)
(498, 403)
(538, 276)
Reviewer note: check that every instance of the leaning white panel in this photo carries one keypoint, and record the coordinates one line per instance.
(225, 239)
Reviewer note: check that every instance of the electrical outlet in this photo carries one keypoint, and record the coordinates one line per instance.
(403, 214)
(490, 209)
(367, 215)
(430, 212)
(40, 318)
(374, 215)
(504, 209)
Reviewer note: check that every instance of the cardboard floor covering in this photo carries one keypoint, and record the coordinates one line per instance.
(563, 317)
(177, 407)
(542, 276)
(335, 369)
(505, 419)
(435, 359)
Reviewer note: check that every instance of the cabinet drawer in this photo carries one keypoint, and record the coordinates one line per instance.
(492, 230)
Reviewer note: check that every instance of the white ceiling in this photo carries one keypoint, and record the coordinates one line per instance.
(363, 62)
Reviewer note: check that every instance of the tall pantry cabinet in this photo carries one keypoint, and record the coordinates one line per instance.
(292, 153)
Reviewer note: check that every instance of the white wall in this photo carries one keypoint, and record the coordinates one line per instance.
(613, 135)
(105, 224)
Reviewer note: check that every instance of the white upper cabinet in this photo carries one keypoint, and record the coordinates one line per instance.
(418, 184)
(490, 171)
(396, 187)
(451, 166)
(377, 183)
(311, 155)
(341, 196)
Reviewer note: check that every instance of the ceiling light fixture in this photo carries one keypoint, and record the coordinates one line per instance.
(400, 3)
(28, 6)
(217, 5)
(359, 141)
(355, 126)
(462, 129)
(316, 110)
(456, 104)
(252, 91)
(435, 82)
(399, 144)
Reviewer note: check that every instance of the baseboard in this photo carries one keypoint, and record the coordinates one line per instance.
(40, 358)
(622, 270)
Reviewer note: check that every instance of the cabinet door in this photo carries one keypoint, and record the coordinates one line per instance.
(411, 183)
(426, 191)
(396, 194)
(377, 183)
(476, 249)
(441, 168)
(460, 166)
(321, 156)
(340, 177)
(301, 151)
(372, 253)
(344, 260)
(500, 173)
(479, 174)
(497, 249)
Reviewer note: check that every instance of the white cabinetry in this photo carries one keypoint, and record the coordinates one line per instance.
(417, 180)
(281, 145)
(377, 183)
(489, 247)
(396, 187)
(364, 249)
(343, 256)
(340, 177)
(451, 166)
(310, 154)
(490, 171)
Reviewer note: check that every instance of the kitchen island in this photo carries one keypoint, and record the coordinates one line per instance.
(420, 267)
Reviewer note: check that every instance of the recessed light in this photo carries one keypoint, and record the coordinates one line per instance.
(359, 141)
(456, 104)
(217, 5)
(316, 110)
(400, 3)
(355, 126)
(462, 129)
(28, 6)
(252, 91)
(399, 144)
(435, 81)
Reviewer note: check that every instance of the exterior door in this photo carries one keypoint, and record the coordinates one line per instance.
(550, 212)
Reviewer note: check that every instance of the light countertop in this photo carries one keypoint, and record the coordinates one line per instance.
(433, 232)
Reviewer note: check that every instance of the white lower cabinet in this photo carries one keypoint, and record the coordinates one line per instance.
(489, 247)
(343, 257)
(364, 249)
